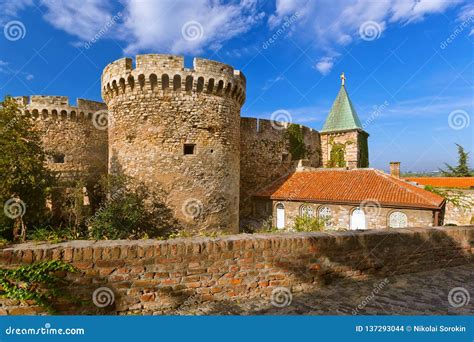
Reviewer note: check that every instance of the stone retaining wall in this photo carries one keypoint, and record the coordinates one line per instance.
(151, 277)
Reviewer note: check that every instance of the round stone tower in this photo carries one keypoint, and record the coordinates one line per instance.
(177, 130)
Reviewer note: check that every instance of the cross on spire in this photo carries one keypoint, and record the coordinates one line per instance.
(343, 78)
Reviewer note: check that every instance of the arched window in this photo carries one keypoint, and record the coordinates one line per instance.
(200, 84)
(358, 220)
(176, 82)
(189, 83)
(165, 81)
(397, 219)
(306, 210)
(280, 216)
(325, 214)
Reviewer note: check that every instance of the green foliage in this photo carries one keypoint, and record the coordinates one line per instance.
(22, 166)
(337, 154)
(296, 140)
(307, 223)
(40, 282)
(55, 234)
(129, 213)
(455, 197)
(462, 169)
(364, 152)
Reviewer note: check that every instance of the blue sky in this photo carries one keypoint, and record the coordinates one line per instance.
(408, 63)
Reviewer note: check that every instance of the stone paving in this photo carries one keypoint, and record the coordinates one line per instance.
(423, 293)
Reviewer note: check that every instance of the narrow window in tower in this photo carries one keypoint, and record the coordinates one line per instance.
(189, 149)
(58, 158)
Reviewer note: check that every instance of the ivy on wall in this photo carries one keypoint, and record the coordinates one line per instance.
(41, 282)
(337, 154)
(364, 152)
(296, 141)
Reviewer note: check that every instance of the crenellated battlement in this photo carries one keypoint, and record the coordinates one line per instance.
(44, 106)
(167, 73)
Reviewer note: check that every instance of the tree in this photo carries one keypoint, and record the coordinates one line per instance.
(462, 170)
(25, 181)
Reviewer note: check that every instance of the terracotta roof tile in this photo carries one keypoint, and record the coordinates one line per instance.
(351, 186)
(445, 182)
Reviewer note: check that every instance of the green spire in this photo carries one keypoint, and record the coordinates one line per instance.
(343, 115)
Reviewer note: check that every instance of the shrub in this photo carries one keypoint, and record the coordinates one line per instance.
(306, 223)
(57, 234)
(129, 213)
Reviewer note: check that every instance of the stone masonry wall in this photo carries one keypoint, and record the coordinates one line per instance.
(460, 216)
(158, 106)
(150, 277)
(376, 217)
(353, 150)
(70, 131)
(265, 156)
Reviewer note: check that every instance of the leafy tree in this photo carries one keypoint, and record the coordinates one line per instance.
(462, 169)
(25, 181)
(457, 198)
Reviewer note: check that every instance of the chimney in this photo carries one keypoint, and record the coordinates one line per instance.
(395, 169)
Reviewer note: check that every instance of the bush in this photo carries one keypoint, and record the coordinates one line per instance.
(306, 223)
(57, 234)
(129, 213)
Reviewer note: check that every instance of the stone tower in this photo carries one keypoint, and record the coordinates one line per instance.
(177, 130)
(344, 143)
(75, 136)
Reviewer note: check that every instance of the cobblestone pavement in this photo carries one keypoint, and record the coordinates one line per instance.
(424, 293)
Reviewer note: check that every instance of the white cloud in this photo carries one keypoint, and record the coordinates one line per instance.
(270, 82)
(12, 8)
(338, 23)
(324, 65)
(161, 25)
(81, 18)
(466, 17)
(29, 77)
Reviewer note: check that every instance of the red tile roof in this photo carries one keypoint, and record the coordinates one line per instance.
(445, 182)
(351, 186)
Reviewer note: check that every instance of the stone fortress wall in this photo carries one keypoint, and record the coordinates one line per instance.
(265, 156)
(72, 134)
(177, 131)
